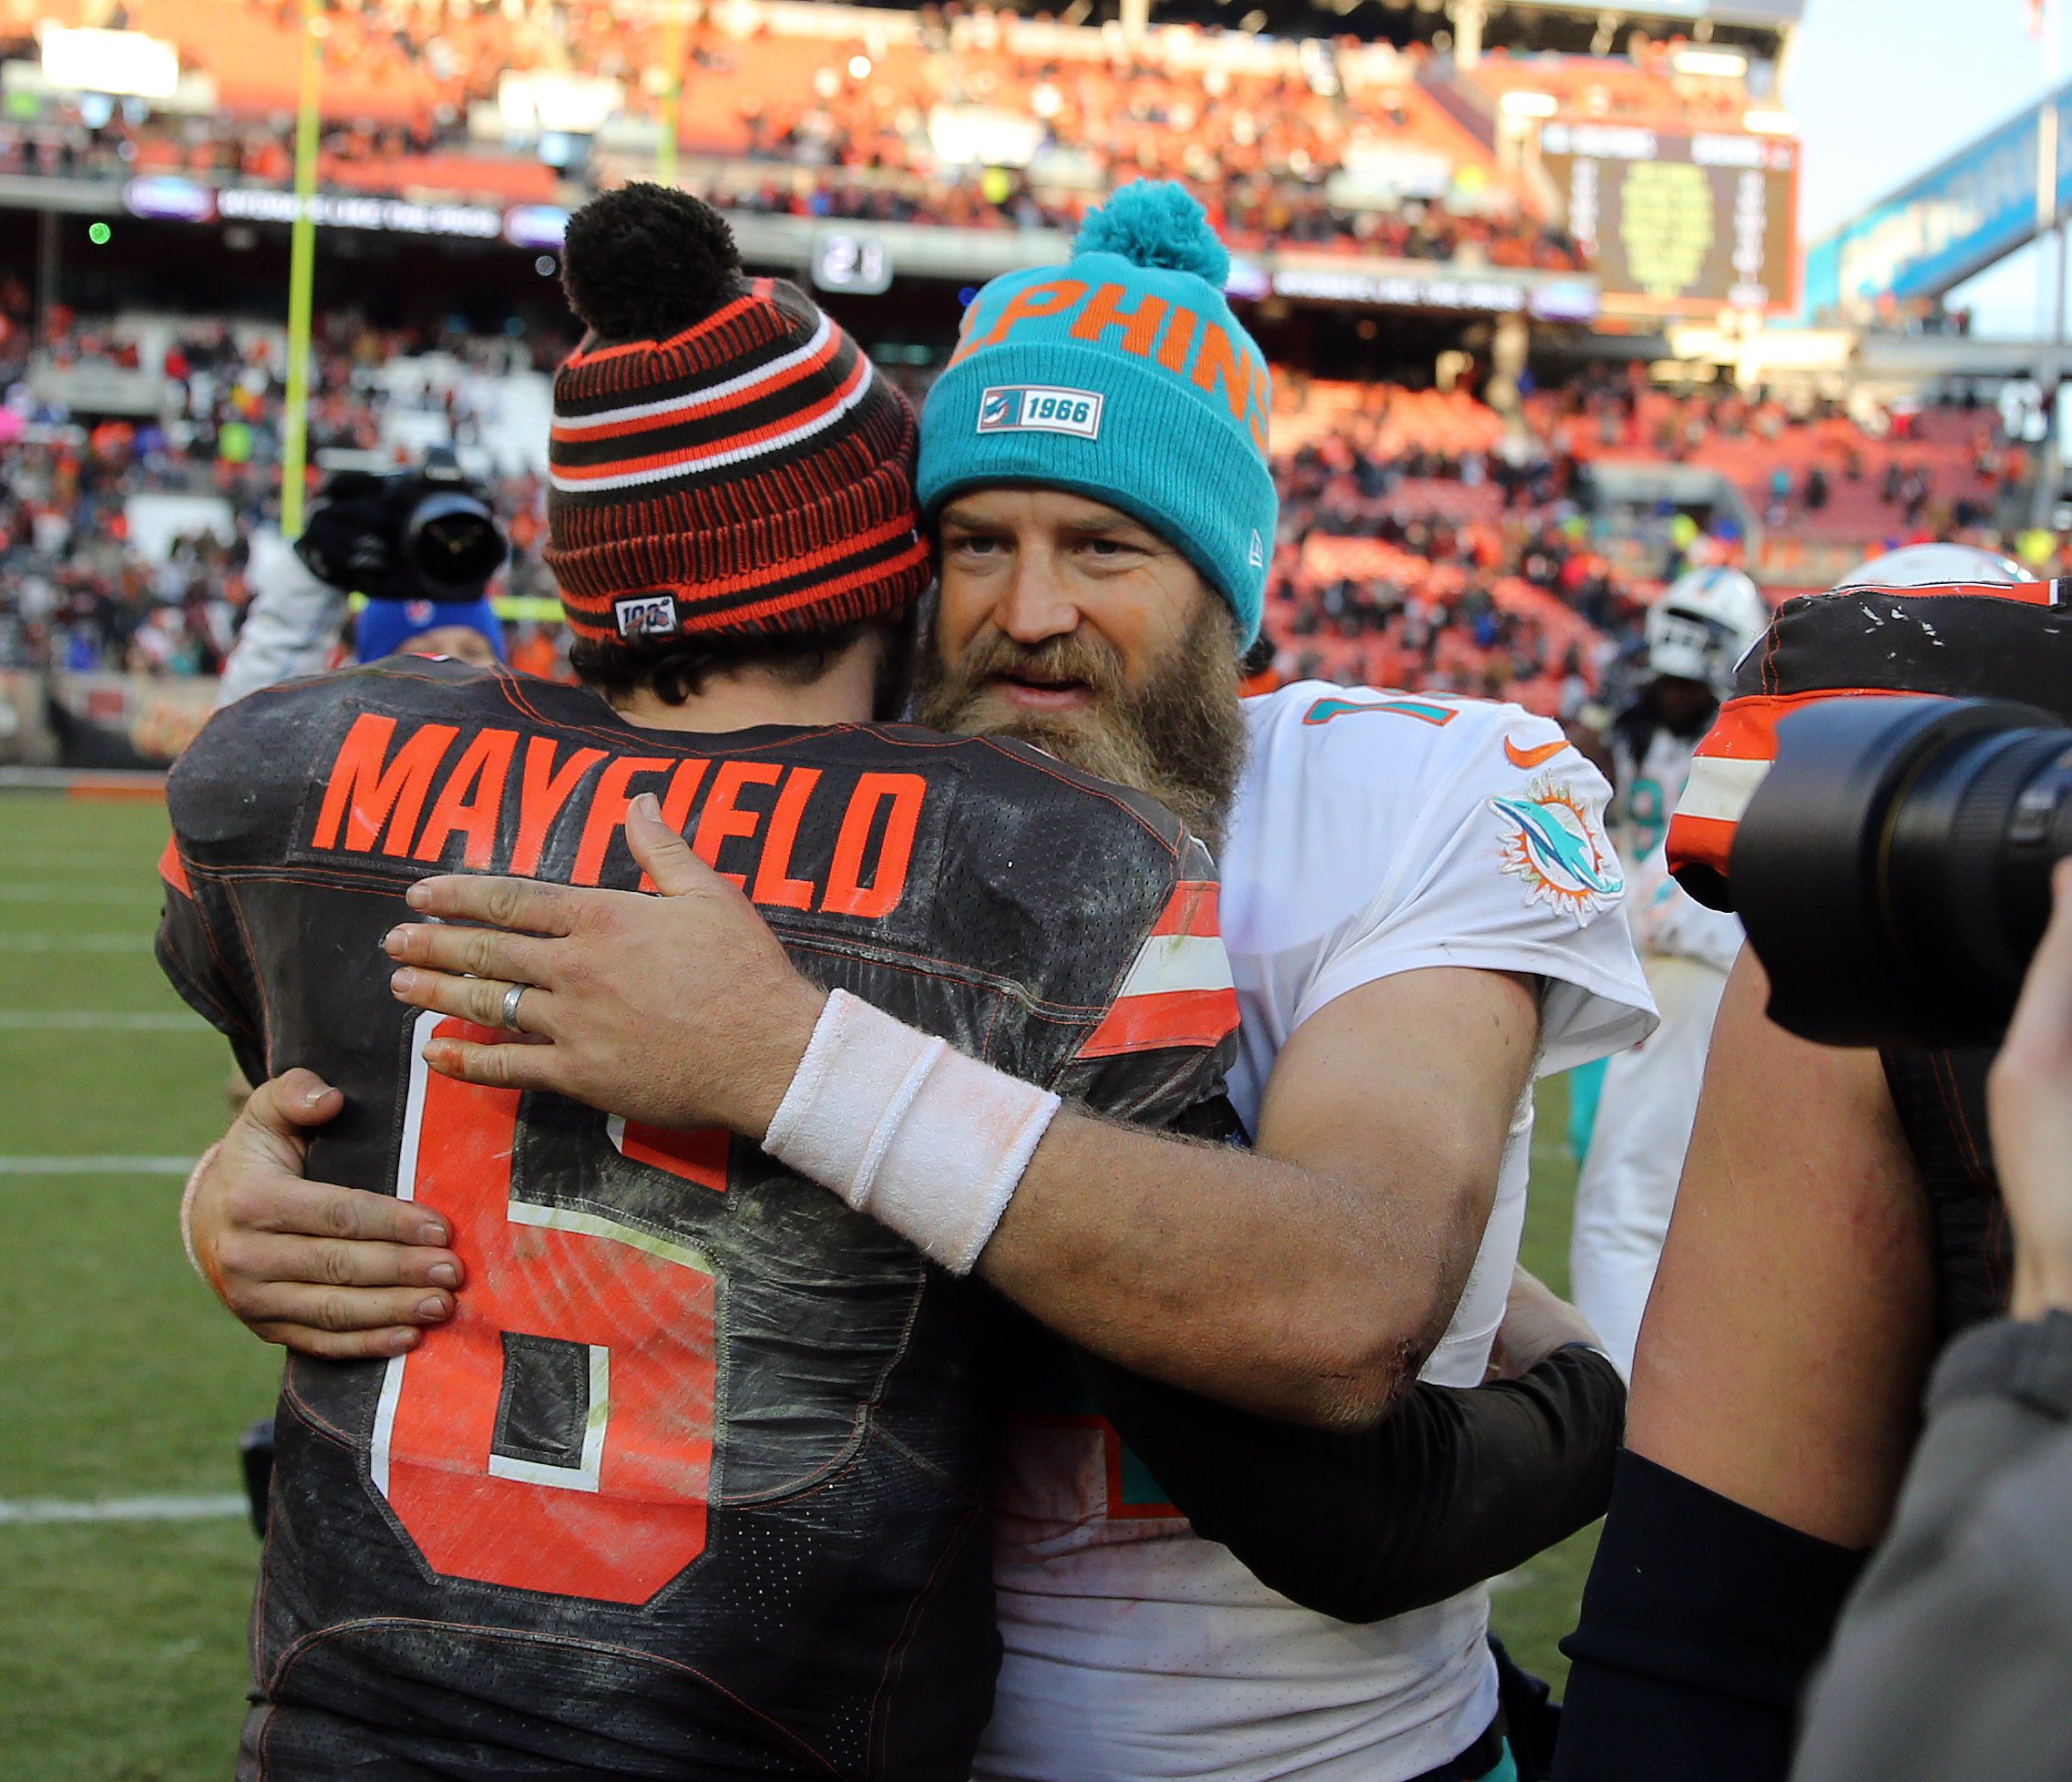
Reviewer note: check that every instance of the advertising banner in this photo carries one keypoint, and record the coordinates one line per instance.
(1938, 231)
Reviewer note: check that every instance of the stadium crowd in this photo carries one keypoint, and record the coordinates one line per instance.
(1423, 543)
(1947, 467)
(829, 127)
(76, 591)
(786, 178)
(1401, 562)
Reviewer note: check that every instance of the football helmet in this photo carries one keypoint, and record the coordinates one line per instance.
(1703, 625)
(1926, 566)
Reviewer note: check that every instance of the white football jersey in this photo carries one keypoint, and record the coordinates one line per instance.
(1666, 919)
(1648, 790)
(1374, 834)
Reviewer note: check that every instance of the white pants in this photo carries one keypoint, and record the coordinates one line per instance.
(1629, 1185)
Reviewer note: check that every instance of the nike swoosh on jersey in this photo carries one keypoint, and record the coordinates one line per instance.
(1529, 759)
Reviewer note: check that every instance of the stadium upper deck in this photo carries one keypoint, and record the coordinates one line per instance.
(974, 119)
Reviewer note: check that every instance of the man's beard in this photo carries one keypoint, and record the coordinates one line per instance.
(1178, 737)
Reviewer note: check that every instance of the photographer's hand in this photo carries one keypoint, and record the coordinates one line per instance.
(292, 626)
(2030, 1097)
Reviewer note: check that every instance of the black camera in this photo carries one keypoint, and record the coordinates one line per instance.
(422, 534)
(1893, 869)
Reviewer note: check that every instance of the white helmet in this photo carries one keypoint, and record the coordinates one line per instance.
(1928, 566)
(1704, 624)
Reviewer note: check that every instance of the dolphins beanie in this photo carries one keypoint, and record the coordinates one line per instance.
(1123, 376)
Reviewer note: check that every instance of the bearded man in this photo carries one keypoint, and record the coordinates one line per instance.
(1422, 913)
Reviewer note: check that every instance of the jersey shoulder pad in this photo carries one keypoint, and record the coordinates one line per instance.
(1393, 744)
(249, 766)
(1108, 815)
(1053, 873)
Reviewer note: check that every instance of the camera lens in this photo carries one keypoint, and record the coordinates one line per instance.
(1893, 869)
(452, 542)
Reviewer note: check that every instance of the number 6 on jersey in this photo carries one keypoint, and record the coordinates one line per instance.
(558, 1435)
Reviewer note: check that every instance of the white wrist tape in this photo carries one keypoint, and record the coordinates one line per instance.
(904, 1127)
(187, 1207)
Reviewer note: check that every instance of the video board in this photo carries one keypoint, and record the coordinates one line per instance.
(1684, 224)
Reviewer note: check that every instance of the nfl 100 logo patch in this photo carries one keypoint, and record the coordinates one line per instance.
(645, 615)
(1039, 408)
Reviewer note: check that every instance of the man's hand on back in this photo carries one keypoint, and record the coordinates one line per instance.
(1358, 1221)
(325, 1270)
(679, 1011)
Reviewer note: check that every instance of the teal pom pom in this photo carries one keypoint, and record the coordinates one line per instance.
(1155, 222)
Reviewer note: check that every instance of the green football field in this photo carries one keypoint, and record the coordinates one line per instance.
(122, 1389)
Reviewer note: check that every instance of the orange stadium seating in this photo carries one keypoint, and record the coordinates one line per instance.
(814, 98)
(1872, 481)
(1627, 92)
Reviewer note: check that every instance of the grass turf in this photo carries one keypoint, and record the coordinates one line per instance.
(121, 1643)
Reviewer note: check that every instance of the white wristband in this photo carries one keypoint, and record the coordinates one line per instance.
(904, 1127)
(187, 1207)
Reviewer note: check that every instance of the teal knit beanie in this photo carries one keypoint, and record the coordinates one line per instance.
(1122, 376)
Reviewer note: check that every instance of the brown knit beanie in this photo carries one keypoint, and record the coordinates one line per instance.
(724, 458)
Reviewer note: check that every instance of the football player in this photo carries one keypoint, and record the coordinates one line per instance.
(1696, 633)
(695, 1479)
(1838, 1221)
(1428, 905)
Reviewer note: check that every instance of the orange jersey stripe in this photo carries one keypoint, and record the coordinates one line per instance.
(1192, 910)
(1745, 728)
(173, 870)
(1163, 1020)
(1699, 841)
(2026, 593)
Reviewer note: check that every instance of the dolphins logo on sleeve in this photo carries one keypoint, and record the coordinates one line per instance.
(1556, 844)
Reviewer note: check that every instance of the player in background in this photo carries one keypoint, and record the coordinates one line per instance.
(1696, 633)
(694, 1481)
(1837, 1222)
(1424, 911)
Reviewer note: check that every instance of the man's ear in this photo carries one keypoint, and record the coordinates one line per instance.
(902, 642)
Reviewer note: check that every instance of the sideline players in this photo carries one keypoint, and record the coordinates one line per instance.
(1426, 913)
(1696, 632)
(694, 1481)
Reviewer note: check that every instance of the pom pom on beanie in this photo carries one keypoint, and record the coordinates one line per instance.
(645, 263)
(1155, 222)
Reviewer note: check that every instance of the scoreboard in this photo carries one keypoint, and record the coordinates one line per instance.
(1680, 224)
